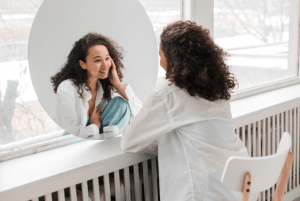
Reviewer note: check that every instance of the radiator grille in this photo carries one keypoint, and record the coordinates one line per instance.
(260, 132)
(138, 182)
(262, 138)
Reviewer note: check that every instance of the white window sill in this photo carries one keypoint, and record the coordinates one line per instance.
(63, 166)
(69, 160)
(248, 105)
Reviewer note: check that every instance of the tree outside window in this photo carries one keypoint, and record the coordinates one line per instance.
(256, 34)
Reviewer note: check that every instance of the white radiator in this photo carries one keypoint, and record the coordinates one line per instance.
(137, 182)
(260, 131)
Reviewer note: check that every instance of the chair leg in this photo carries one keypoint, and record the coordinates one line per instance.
(246, 187)
(281, 185)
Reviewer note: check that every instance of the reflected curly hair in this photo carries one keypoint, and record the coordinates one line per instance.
(72, 69)
(195, 62)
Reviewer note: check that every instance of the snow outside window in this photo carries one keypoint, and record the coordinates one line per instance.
(21, 114)
(258, 36)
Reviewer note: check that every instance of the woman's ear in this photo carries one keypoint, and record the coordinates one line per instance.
(82, 64)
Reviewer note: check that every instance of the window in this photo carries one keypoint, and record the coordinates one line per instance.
(21, 114)
(261, 36)
(161, 13)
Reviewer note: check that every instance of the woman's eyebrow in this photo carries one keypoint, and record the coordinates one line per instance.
(100, 56)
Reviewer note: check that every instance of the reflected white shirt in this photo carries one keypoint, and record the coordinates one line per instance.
(71, 111)
(193, 138)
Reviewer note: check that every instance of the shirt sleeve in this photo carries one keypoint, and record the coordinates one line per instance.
(153, 120)
(134, 103)
(66, 114)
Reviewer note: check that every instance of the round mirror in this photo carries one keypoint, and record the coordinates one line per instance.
(58, 25)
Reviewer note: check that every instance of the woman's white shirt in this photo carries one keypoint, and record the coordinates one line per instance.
(71, 110)
(193, 138)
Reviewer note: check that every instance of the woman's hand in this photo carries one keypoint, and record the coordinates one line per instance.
(113, 75)
(95, 117)
(115, 81)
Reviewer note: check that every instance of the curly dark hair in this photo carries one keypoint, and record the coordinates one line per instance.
(72, 69)
(195, 62)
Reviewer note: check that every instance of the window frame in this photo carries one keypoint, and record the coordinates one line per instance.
(202, 12)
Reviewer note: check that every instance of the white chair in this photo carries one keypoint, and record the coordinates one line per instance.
(257, 174)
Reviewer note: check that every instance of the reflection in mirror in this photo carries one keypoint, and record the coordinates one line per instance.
(90, 95)
(93, 64)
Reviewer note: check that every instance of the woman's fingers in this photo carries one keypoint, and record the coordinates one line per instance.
(112, 63)
(95, 110)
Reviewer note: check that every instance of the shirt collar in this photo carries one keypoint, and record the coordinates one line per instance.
(87, 94)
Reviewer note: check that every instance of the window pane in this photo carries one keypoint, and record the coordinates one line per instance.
(256, 34)
(21, 114)
(161, 13)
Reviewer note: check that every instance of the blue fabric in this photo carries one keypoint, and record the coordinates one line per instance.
(116, 112)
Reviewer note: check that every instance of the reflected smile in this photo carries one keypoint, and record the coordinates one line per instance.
(102, 71)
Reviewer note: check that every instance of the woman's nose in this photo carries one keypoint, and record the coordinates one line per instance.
(105, 65)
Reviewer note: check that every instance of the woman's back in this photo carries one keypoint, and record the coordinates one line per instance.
(189, 117)
(193, 155)
(194, 139)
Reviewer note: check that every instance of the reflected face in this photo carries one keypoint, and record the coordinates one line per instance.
(163, 59)
(97, 62)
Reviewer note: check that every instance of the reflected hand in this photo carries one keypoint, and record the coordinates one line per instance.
(115, 81)
(113, 76)
(95, 117)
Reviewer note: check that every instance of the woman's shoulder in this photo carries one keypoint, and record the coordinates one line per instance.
(165, 87)
(166, 90)
(66, 85)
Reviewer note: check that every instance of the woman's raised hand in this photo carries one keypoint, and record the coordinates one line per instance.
(115, 81)
(95, 117)
(113, 76)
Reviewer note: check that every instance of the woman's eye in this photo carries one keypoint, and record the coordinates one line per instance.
(107, 58)
(97, 60)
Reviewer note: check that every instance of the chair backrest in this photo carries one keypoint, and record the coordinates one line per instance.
(265, 171)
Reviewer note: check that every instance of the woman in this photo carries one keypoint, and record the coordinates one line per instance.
(187, 118)
(90, 94)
